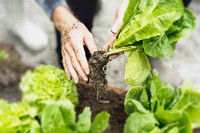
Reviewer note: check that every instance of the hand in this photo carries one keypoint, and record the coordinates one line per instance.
(118, 22)
(74, 36)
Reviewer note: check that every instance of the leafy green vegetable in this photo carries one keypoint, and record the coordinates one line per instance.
(47, 83)
(140, 123)
(17, 117)
(136, 99)
(158, 46)
(186, 24)
(179, 119)
(48, 106)
(149, 21)
(137, 68)
(175, 110)
(84, 121)
(100, 123)
(58, 115)
(190, 103)
(152, 27)
(54, 118)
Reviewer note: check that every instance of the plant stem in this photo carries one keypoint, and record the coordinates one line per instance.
(112, 51)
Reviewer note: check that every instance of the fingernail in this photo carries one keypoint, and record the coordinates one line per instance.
(76, 81)
(87, 72)
(69, 77)
(85, 79)
(114, 29)
(116, 26)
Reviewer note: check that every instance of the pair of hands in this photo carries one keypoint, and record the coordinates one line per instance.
(75, 35)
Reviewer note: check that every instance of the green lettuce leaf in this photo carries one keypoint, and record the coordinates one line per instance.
(100, 123)
(186, 24)
(136, 93)
(190, 103)
(169, 119)
(132, 6)
(158, 46)
(136, 9)
(161, 96)
(84, 121)
(140, 123)
(137, 68)
(58, 115)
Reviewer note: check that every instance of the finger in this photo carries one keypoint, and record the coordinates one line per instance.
(119, 16)
(109, 43)
(70, 66)
(81, 57)
(65, 64)
(121, 10)
(89, 42)
(76, 64)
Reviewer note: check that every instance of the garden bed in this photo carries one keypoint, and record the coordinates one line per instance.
(111, 99)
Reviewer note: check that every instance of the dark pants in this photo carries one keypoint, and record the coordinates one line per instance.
(85, 11)
(186, 2)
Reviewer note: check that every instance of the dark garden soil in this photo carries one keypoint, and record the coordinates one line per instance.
(110, 100)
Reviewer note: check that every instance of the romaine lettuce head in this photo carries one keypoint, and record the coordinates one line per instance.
(17, 118)
(47, 83)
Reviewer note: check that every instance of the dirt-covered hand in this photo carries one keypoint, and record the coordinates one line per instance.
(74, 36)
(119, 14)
(74, 58)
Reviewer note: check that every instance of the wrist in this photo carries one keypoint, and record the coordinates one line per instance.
(63, 18)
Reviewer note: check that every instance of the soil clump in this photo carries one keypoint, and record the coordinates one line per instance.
(97, 76)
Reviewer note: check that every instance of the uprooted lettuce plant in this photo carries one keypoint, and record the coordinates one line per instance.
(156, 107)
(48, 106)
(150, 28)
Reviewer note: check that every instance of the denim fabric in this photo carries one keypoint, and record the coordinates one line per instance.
(50, 5)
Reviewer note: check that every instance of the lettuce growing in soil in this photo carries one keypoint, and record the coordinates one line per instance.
(150, 28)
(158, 108)
(17, 118)
(60, 117)
(47, 83)
(48, 106)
